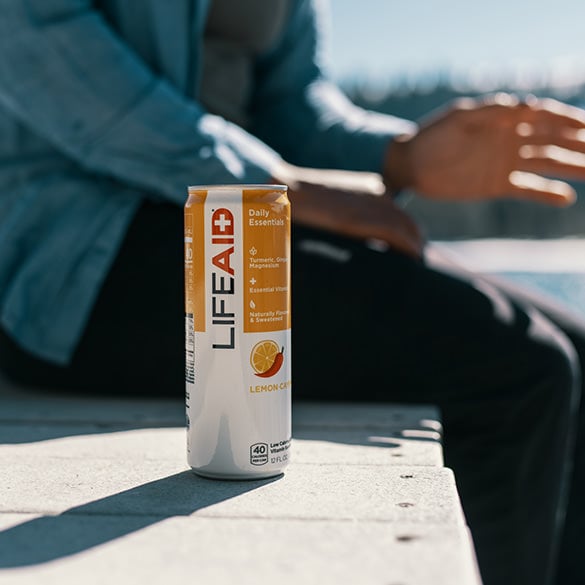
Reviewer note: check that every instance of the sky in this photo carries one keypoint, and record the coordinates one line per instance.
(381, 39)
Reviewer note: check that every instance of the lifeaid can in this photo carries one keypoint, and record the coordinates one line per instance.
(238, 330)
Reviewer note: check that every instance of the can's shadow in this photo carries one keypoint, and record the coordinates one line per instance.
(81, 528)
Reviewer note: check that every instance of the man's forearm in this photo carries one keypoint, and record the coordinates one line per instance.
(70, 78)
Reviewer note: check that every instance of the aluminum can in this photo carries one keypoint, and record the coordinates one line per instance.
(238, 330)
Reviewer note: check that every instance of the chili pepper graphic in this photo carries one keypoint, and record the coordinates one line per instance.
(275, 367)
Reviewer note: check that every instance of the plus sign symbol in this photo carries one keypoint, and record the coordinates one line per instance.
(222, 222)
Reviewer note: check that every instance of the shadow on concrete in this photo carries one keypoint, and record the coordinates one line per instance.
(81, 528)
(29, 415)
(21, 434)
(388, 440)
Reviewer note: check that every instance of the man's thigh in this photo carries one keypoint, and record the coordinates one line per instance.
(381, 326)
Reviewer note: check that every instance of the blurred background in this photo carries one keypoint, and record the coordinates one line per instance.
(407, 58)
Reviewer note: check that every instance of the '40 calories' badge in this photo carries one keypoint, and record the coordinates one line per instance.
(266, 358)
(259, 454)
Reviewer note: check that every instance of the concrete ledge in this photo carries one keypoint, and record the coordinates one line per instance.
(359, 415)
(362, 433)
(217, 551)
(106, 486)
(97, 491)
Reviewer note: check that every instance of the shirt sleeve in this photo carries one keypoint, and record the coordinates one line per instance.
(303, 115)
(65, 74)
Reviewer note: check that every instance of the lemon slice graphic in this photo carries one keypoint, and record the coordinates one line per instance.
(263, 356)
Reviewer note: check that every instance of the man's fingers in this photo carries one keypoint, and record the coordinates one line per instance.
(546, 135)
(504, 108)
(536, 188)
(549, 112)
(552, 160)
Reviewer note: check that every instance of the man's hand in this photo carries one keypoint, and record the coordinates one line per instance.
(349, 203)
(493, 147)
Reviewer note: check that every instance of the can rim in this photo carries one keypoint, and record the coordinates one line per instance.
(267, 187)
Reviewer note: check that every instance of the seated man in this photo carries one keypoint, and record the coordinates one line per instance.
(109, 109)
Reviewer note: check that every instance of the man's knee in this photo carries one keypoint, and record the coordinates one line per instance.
(554, 361)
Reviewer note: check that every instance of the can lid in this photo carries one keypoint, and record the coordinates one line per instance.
(266, 186)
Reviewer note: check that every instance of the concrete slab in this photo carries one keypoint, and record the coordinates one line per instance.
(80, 441)
(312, 445)
(97, 491)
(28, 406)
(103, 486)
(218, 551)
(360, 447)
(24, 406)
(350, 415)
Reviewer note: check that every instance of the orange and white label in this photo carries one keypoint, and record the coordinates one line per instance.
(195, 258)
(221, 236)
(266, 254)
(237, 329)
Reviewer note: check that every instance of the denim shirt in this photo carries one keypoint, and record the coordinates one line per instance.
(99, 110)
